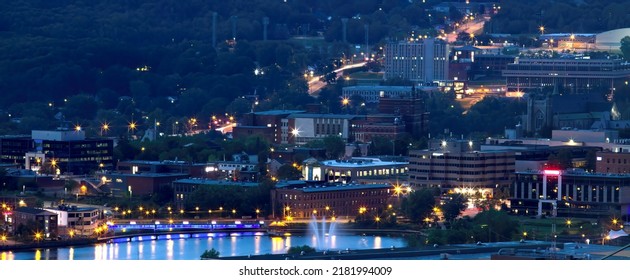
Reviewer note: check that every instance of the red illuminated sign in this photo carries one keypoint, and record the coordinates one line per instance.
(551, 172)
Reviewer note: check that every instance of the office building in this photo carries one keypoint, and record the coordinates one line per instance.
(573, 75)
(424, 61)
(570, 193)
(448, 169)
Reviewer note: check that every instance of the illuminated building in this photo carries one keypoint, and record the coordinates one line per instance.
(448, 169)
(574, 75)
(424, 61)
(341, 201)
(45, 221)
(354, 170)
(570, 193)
(71, 151)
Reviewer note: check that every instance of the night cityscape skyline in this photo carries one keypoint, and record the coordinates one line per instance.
(417, 129)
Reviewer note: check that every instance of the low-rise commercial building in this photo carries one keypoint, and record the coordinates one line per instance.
(80, 221)
(354, 170)
(470, 169)
(611, 162)
(44, 221)
(570, 194)
(340, 201)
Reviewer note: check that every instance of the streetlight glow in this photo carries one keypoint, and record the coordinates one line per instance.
(295, 132)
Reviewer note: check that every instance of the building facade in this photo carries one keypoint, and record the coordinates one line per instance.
(372, 94)
(387, 126)
(570, 194)
(574, 75)
(45, 221)
(339, 201)
(412, 111)
(354, 170)
(424, 61)
(303, 128)
(608, 162)
(58, 151)
(267, 124)
(472, 169)
(81, 221)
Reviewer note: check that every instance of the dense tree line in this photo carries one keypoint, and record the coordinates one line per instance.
(488, 117)
(116, 62)
(560, 16)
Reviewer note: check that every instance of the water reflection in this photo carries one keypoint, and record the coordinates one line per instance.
(192, 248)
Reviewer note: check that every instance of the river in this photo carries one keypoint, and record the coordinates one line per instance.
(175, 248)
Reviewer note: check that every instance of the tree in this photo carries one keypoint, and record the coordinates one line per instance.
(591, 157)
(494, 226)
(82, 107)
(210, 254)
(625, 47)
(419, 204)
(454, 14)
(453, 207)
(335, 146)
(288, 172)
(300, 249)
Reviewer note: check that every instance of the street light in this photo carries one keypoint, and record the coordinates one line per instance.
(104, 127)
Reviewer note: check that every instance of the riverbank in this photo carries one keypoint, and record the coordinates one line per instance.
(402, 253)
(15, 246)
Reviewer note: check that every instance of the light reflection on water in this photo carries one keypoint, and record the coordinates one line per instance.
(192, 248)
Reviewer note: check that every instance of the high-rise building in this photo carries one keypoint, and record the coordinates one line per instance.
(422, 61)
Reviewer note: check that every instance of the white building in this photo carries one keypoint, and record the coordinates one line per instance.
(82, 221)
(356, 169)
(424, 61)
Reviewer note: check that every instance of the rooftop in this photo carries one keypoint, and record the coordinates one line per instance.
(164, 162)
(146, 174)
(405, 88)
(202, 181)
(344, 187)
(34, 211)
(580, 173)
(322, 116)
(278, 112)
(361, 162)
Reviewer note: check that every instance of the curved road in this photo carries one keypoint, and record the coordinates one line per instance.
(316, 83)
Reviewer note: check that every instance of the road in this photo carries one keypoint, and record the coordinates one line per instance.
(474, 27)
(316, 83)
